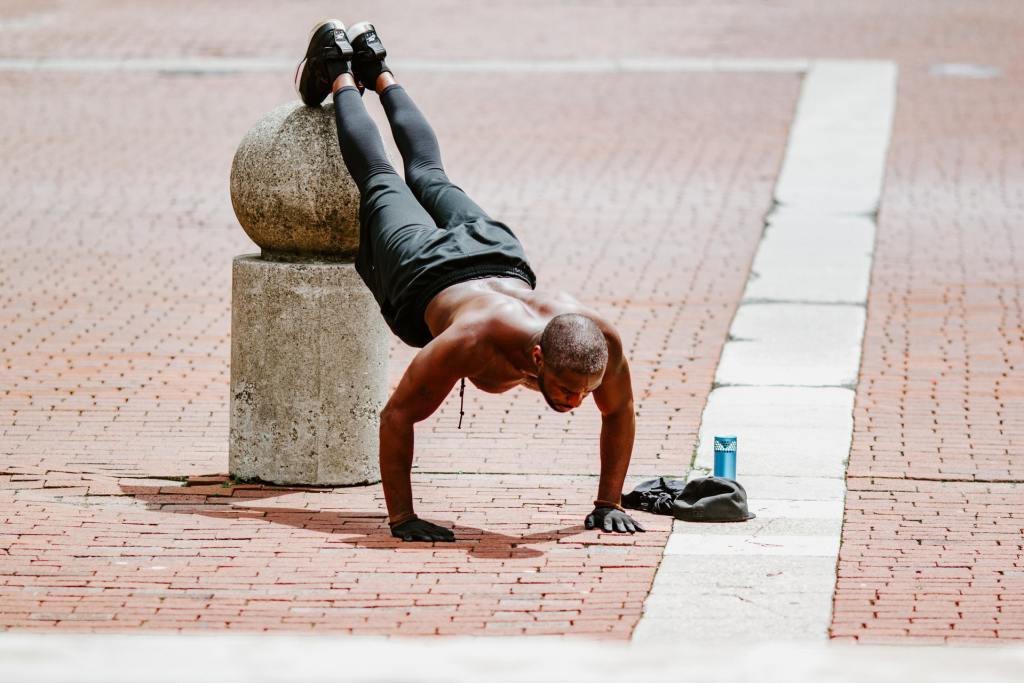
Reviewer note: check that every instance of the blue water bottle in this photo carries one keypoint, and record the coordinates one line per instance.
(725, 457)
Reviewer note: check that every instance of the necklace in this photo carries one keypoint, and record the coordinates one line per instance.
(462, 393)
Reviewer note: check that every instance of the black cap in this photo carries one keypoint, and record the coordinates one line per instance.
(712, 499)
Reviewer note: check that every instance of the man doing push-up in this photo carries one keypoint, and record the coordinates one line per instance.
(454, 282)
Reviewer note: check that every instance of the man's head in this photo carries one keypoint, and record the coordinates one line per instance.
(571, 359)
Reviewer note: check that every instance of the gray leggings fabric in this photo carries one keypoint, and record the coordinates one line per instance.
(422, 234)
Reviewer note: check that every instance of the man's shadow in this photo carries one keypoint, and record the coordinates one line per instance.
(363, 529)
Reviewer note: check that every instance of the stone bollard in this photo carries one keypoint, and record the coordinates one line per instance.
(308, 344)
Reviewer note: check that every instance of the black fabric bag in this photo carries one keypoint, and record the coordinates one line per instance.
(654, 495)
(706, 499)
(712, 499)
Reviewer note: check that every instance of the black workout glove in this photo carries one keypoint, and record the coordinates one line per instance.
(417, 529)
(612, 519)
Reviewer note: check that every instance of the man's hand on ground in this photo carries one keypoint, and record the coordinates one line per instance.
(421, 530)
(612, 519)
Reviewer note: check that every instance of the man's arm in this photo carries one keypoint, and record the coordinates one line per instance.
(425, 384)
(614, 398)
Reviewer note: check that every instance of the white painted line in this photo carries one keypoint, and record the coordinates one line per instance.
(626, 64)
(774, 344)
(835, 159)
(30, 21)
(210, 65)
(962, 70)
(722, 544)
(215, 65)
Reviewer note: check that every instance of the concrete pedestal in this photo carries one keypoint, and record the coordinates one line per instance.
(309, 356)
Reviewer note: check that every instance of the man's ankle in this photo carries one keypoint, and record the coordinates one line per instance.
(385, 80)
(345, 80)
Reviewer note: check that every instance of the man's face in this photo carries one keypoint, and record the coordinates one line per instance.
(566, 390)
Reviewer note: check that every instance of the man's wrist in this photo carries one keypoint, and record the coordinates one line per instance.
(599, 503)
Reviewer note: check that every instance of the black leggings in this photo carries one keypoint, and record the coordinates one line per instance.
(433, 200)
(422, 234)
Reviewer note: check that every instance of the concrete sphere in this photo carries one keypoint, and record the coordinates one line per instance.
(289, 186)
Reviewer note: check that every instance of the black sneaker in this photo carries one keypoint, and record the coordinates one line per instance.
(368, 60)
(327, 57)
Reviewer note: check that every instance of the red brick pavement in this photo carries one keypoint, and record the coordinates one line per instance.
(114, 374)
(93, 552)
(931, 560)
(933, 545)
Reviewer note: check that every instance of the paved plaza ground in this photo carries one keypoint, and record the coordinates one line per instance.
(643, 192)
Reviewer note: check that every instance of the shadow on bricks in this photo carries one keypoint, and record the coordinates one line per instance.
(363, 529)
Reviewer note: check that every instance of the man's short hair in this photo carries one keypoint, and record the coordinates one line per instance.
(574, 342)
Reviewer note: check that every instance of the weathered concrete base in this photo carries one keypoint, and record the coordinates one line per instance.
(308, 373)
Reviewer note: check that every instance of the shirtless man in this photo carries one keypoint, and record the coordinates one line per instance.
(453, 281)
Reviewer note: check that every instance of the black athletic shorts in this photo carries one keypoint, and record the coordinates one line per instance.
(405, 259)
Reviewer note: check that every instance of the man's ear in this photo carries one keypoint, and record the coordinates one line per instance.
(538, 357)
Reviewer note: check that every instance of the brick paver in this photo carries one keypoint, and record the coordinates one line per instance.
(115, 300)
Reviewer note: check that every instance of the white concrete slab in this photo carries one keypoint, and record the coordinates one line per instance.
(671, 654)
(748, 598)
(782, 216)
(772, 526)
(835, 157)
(764, 526)
(770, 488)
(827, 259)
(797, 509)
(739, 619)
(794, 431)
(740, 545)
(685, 575)
(793, 345)
(704, 611)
